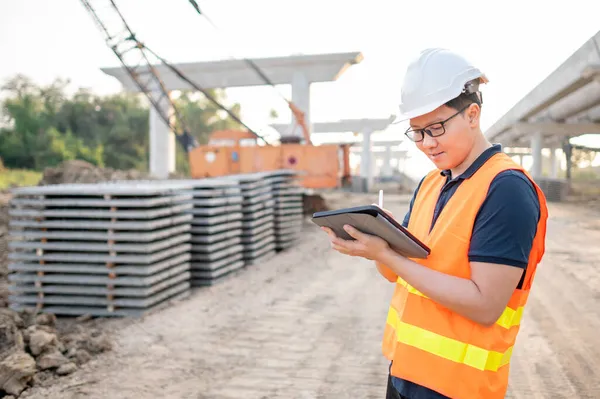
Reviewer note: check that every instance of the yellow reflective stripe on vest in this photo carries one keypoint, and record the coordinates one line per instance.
(447, 348)
(509, 318)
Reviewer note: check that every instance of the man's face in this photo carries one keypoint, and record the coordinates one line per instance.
(451, 148)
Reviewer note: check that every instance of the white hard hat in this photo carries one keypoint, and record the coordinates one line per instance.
(435, 77)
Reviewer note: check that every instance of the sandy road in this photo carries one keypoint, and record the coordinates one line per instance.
(308, 324)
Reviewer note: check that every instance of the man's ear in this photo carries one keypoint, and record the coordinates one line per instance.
(473, 114)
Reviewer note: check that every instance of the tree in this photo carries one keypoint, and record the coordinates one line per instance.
(43, 126)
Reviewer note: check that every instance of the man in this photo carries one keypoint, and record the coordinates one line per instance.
(454, 317)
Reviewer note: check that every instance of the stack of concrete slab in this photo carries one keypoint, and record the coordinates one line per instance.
(216, 229)
(258, 209)
(106, 249)
(288, 194)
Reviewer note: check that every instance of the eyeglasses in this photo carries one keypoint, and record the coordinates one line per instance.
(433, 130)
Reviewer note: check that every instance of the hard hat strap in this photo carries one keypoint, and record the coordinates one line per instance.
(471, 87)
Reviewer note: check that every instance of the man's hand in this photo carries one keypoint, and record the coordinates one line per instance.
(366, 245)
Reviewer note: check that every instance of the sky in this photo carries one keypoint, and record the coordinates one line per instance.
(516, 43)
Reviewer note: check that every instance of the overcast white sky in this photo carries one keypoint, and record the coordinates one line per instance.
(516, 43)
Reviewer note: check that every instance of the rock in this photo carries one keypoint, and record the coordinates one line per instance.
(33, 328)
(11, 340)
(82, 356)
(41, 340)
(99, 344)
(66, 368)
(41, 377)
(46, 319)
(9, 397)
(51, 360)
(15, 372)
(14, 315)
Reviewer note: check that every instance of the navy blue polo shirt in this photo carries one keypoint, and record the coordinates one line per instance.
(503, 231)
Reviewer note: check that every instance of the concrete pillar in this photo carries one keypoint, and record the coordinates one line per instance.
(366, 162)
(554, 163)
(386, 168)
(536, 154)
(162, 143)
(301, 98)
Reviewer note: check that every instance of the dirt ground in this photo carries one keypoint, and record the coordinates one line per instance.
(308, 324)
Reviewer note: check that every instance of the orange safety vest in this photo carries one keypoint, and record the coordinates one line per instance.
(431, 345)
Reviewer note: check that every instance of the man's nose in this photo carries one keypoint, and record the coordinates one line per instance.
(429, 142)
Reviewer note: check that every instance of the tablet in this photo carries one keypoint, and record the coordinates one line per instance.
(370, 219)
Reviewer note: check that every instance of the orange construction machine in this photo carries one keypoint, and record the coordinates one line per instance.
(233, 152)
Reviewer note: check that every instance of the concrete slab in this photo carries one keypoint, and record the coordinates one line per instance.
(83, 284)
(118, 213)
(92, 305)
(198, 238)
(212, 256)
(214, 220)
(133, 188)
(110, 201)
(248, 240)
(90, 235)
(215, 228)
(100, 268)
(237, 73)
(216, 264)
(88, 246)
(216, 210)
(217, 246)
(202, 277)
(249, 225)
(83, 257)
(102, 225)
(160, 302)
(217, 201)
(90, 290)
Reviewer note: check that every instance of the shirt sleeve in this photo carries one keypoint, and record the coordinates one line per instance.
(506, 224)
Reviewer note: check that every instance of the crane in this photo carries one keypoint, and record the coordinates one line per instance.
(140, 63)
(322, 165)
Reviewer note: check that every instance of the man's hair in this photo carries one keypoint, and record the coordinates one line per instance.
(463, 100)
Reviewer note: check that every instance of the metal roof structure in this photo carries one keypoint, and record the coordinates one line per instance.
(566, 104)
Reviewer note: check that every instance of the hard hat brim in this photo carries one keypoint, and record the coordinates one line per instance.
(425, 109)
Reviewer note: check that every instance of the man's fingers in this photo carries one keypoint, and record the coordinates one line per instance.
(329, 232)
(354, 233)
(383, 209)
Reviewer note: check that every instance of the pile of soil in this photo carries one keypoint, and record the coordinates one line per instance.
(83, 172)
(34, 349)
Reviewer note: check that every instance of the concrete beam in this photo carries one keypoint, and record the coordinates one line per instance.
(576, 103)
(341, 126)
(237, 73)
(569, 77)
(547, 129)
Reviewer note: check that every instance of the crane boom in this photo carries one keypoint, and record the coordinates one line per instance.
(137, 61)
(140, 63)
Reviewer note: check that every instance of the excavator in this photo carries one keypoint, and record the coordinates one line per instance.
(227, 151)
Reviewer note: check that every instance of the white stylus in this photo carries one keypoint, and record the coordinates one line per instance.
(381, 199)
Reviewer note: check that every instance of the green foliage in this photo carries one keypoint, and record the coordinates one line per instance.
(42, 126)
(18, 177)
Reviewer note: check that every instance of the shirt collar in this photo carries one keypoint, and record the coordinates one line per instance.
(487, 154)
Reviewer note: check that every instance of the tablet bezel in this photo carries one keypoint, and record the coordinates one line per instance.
(373, 211)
